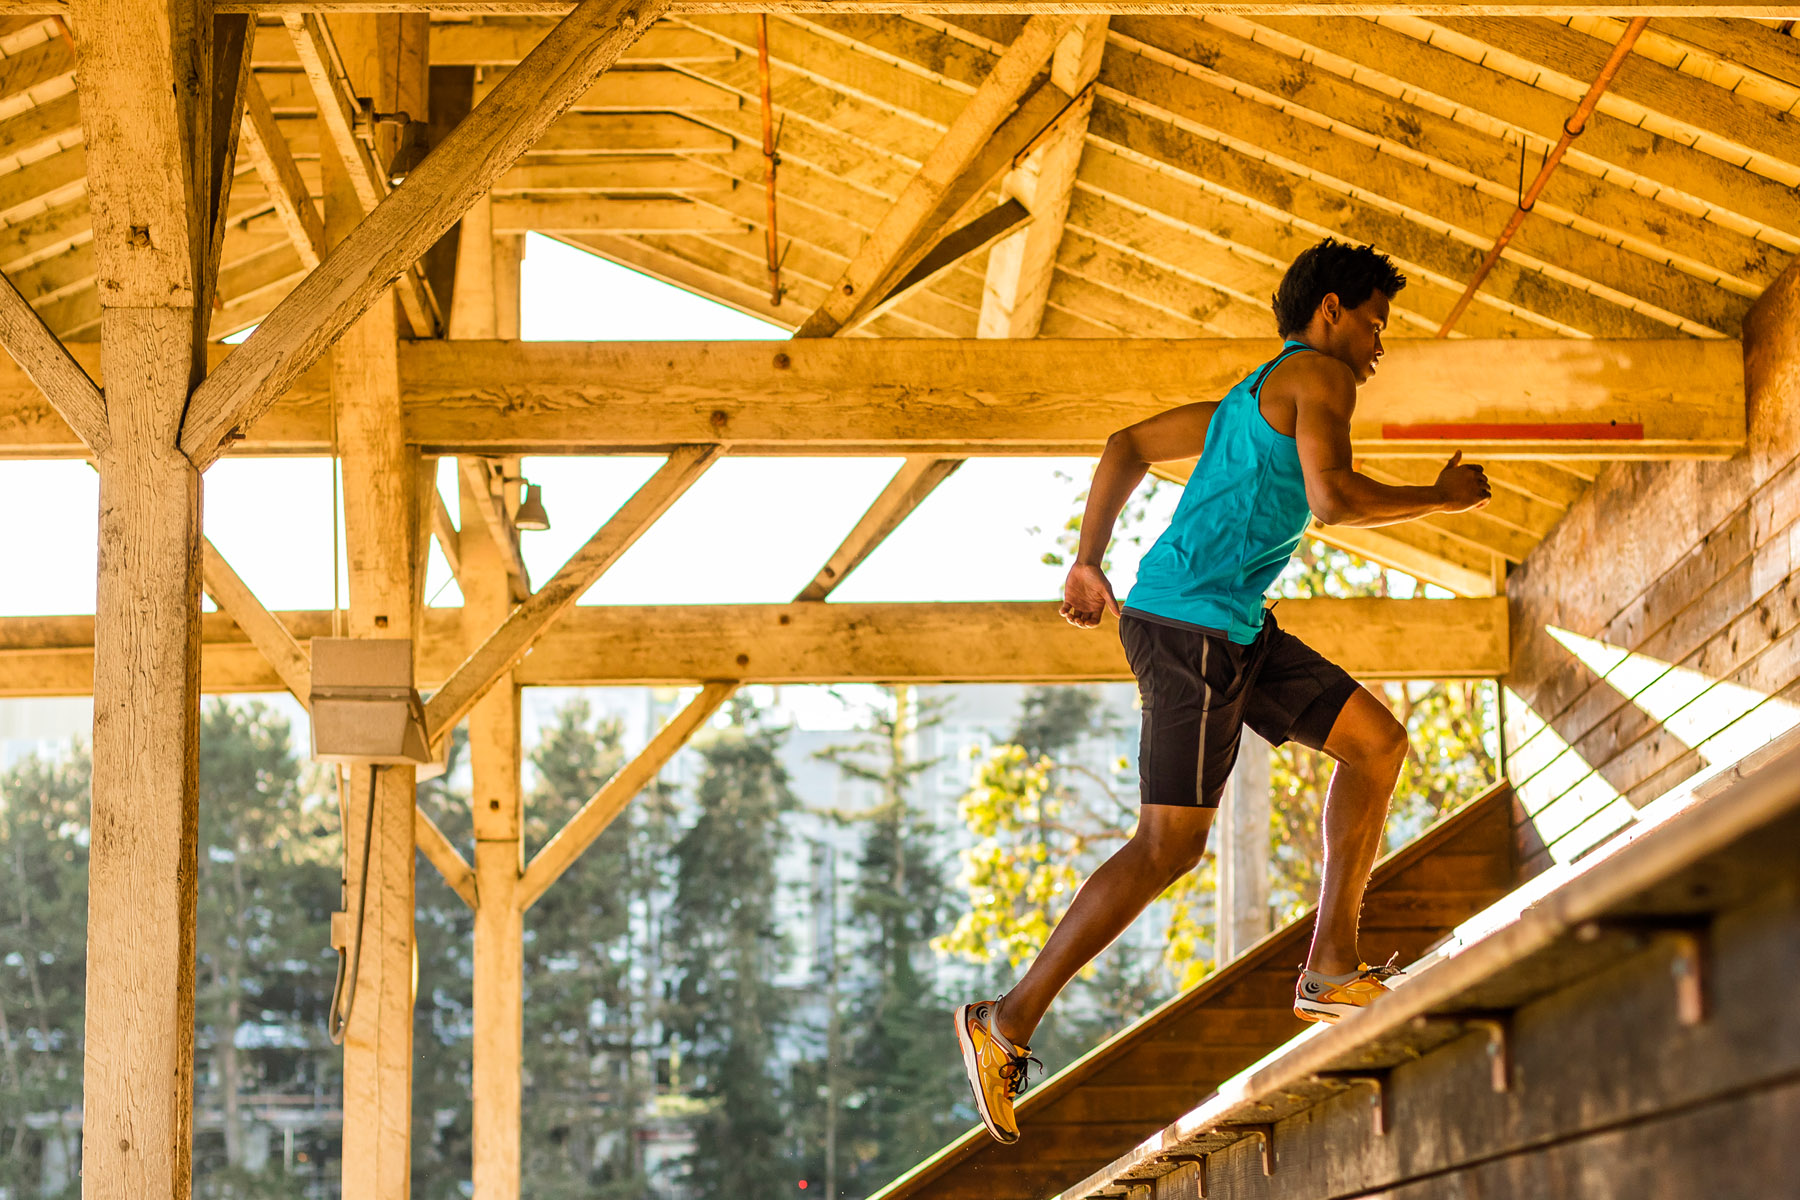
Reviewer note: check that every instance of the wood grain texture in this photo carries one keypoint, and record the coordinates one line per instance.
(454, 869)
(601, 646)
(267, 148)
(44, 360)
(393, 237)
(512, 639)
(906, 223)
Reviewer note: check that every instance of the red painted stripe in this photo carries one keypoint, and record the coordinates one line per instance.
(1596, 431)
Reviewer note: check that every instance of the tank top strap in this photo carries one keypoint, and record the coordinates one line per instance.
(1287, 352)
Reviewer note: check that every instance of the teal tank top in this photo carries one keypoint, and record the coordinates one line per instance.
(1240, 518)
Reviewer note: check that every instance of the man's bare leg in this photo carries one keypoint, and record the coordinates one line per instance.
(1168, 843)
(1370, 748)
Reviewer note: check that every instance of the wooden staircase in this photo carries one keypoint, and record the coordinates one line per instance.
(1157, 1068)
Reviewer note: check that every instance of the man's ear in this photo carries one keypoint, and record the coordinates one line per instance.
(1332, 307)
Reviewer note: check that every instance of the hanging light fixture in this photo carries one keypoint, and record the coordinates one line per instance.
(531, 514)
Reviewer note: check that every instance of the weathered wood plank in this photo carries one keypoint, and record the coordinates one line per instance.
(48, 364)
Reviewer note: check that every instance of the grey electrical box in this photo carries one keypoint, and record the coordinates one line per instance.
(364, 706)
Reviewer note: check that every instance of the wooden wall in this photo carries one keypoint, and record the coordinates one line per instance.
(1692, 564)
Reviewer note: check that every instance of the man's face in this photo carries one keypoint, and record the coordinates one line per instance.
(1355, 333)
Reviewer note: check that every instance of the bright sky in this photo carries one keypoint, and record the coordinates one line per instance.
(751, 530)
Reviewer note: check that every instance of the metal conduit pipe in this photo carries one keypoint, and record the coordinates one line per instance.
(1571, 130)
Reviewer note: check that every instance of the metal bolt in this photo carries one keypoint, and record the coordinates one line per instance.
(743, 660)
(719, 419)
(783, 362)
(140, 235)
(849, 289)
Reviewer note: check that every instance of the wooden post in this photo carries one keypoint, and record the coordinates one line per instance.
(499, 861)
(1243, 852)
(381, 526)
(145, 91)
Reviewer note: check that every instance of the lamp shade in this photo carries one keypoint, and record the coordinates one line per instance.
(531, 514)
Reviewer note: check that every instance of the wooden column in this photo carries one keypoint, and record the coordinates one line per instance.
(499, 861)
(1243, 852)
(145, 82)
(383, 56)
(485, 300)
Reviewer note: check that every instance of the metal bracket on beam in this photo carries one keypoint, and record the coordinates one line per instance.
(1197, 1161)
(1375, 1078)
(1497, 1022)
(1691, 937)
(1265, 1131)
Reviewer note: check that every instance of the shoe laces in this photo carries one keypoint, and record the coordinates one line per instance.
(1386, 970)
(1017, 1068)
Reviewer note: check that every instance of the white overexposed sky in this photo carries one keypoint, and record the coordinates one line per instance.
(751, 530)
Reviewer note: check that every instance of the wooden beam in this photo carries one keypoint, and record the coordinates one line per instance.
(264, 629)
(281, 179)
(960, 244)
(917, 477)
(1020, 268)
(145, 88)
(449, 538)
(514, 637)
(43, 358)
(458, 875)
(393, 237)
(606, 646)
(1399, 547)
(232, 37)
(478, 475)
(1566, 401)
(600, 214)
(909, 221)
(592, 819)
(338, 109)
(551, 174)
(540, 9)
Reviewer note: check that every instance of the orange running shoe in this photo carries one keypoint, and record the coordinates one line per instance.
(996, 1067)
(1326, 998)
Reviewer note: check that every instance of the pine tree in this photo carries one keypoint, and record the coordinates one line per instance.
(902, 1084)
(43, 968)
(726, 1010)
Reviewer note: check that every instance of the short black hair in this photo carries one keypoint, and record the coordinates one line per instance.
(1353, 273)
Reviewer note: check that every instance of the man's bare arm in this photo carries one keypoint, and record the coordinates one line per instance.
(1167, 437)
(1336, 492)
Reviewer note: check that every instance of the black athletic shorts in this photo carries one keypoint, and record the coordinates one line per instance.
(1200, 689)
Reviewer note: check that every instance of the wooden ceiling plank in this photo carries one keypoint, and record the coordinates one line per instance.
(1513, 509)
(267, 149)
(1659, 291)
(40, 64)
(1541, 481)
(596, 214)
(1740, 123)
(49, 176)
(1649, 228)
(905, 224)
(390, 240)
(1421, 553)
(1216, 313)
(1768, 51)
(747, 294)
(1607, 144)
(660, 174)
(1122, 204)
(1020, 269)
(1320, 210)
(28, 132)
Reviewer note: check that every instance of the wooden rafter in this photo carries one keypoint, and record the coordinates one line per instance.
(1566, 400)
(1020, 269)
(268, 150)
(917, 477)
(49, 366)
(593, 817)
(393, 237)
(264, 629)
(478, 475)
(947, 174)
(608, 645)
(441, 853)
(526, 623)
(449, 539)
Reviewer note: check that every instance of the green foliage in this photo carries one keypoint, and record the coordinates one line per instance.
(43, 960)
(726, 1011)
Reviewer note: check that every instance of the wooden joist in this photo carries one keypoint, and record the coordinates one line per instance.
(45, 361)
(605, 214)
(1764, 9)
(595, 646)
(393, 237)
(946, 180)
(1563, 401)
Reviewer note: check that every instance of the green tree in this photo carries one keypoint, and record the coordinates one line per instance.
(726, 1011)
(265, 862)
(43, 968)
(888, 1087)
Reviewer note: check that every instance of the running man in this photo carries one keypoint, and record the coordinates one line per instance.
(1210, 659)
